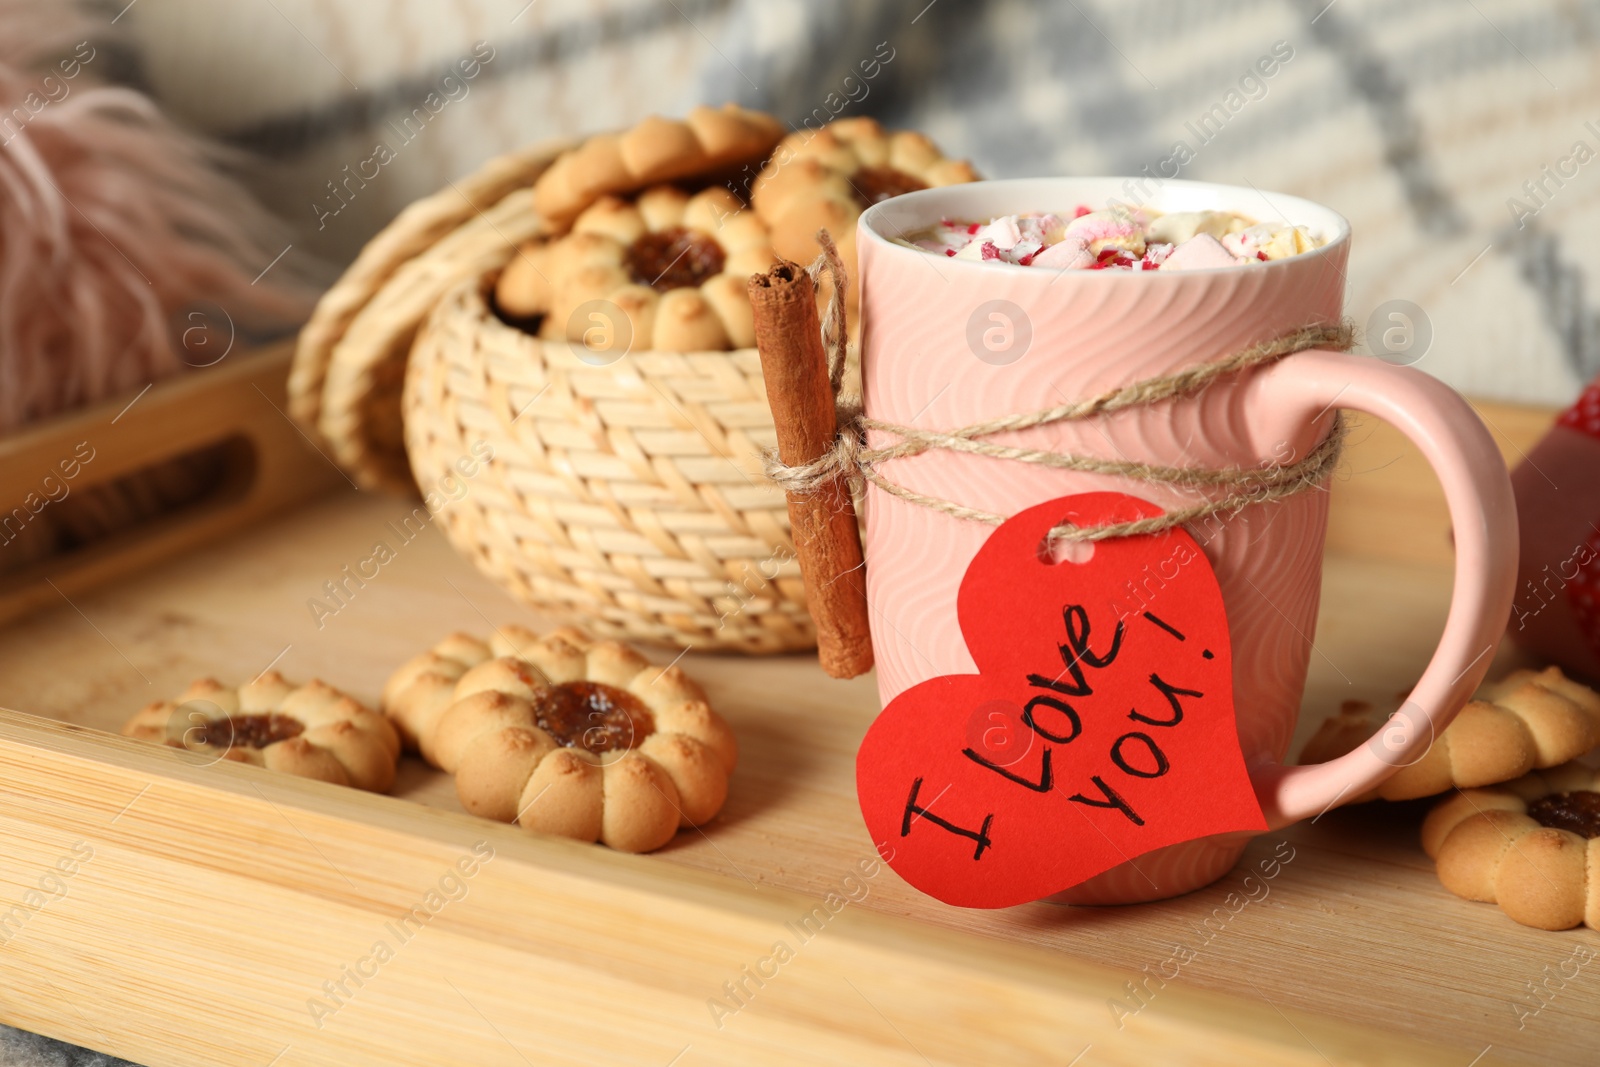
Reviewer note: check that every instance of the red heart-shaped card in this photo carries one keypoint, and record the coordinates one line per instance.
(1100, 724)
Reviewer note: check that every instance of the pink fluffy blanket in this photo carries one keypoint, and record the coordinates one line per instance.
(114, 225)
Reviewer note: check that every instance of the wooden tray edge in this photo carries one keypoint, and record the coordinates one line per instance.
(130, 801)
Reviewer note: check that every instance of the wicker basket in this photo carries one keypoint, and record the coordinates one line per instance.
(628, 498)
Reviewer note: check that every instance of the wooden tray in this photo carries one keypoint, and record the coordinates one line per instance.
(208, 905)
(266, 467)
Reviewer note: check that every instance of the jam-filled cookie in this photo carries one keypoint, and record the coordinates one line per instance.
(673, 264)
(566, 735)
(825, 178)
(312, 730)
(1525, 721)
(422, 688)
(705, 142)
(1529, 846)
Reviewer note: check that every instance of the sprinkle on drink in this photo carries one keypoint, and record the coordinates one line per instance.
(1117, 238)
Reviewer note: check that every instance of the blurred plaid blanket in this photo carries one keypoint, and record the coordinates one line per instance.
(1447, 133)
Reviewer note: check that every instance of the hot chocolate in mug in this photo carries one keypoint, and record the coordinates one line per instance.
(948, 343)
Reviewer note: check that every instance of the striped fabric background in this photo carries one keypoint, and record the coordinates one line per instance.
(1418, 119)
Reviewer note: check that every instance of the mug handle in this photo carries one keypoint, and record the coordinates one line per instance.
(1300, 389)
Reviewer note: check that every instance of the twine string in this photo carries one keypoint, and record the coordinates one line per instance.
(850, 457)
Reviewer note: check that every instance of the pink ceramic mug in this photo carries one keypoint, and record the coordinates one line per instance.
(947, 343)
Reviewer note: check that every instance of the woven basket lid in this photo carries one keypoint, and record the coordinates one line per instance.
(412, 232)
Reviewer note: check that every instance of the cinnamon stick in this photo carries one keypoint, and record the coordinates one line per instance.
(823, 522)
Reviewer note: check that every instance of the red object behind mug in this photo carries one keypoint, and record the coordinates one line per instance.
(1556, 613)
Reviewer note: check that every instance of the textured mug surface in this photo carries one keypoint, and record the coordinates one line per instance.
(947, 343)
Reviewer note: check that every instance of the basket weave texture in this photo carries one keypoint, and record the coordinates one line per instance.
(627, 497)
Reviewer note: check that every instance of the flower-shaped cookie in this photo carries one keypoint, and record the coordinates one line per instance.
(566, 735)
(313, 730)
(824, 179)
(673, 265)
(1527, 845)
(420, 690)
(1525, 721)
(707, 141)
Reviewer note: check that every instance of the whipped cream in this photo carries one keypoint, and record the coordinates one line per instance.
(1117, 238)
